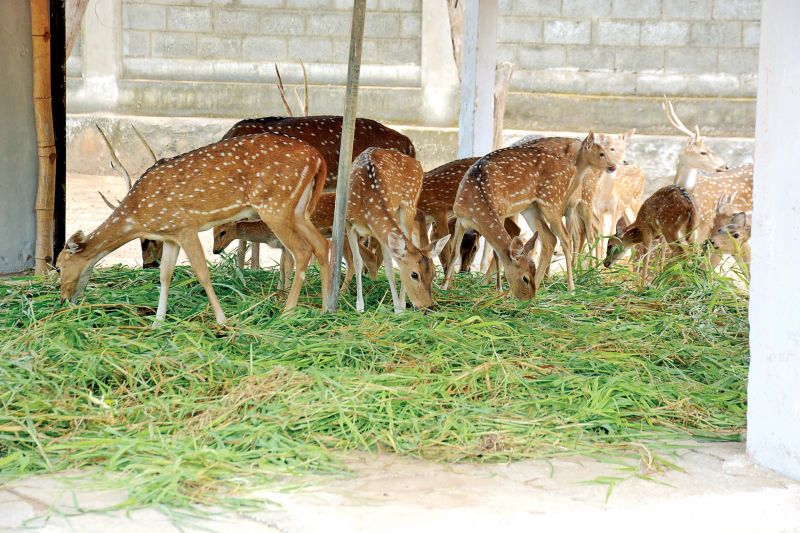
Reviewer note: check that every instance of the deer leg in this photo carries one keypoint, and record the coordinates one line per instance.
(647, 243)
(409, 227)
(352, 238)
(240, 253)
(486, 257)
(190, 243)
(295, 244)
(399, 305)
(348, 272)
(287, 267)
(255, 255)
(168, 259)
(566, 244)
(440, 229)
(319, 247)
(455, 246)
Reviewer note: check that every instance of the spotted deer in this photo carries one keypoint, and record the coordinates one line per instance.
(736, 183)
(669, 212)
(254, 230)
(730, 233)
(439, 187)
(536, 180)
(384, 190)
(277, 178)
(325, 134)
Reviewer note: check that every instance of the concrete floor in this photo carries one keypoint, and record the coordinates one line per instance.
(719, 490)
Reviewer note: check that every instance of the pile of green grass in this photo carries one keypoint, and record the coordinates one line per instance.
(194, 413)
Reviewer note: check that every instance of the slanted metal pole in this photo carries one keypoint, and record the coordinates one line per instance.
(346, 152)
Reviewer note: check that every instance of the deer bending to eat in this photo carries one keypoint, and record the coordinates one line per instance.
(669, 212)
(384, 190)
(277, 178)
(322, 218)
(534, 179)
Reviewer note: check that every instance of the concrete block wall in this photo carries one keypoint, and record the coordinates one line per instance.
(632, 47)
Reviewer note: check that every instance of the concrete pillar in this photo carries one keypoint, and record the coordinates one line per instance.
(477, 78)
(439, 76)
(101, 60)
(773, 404)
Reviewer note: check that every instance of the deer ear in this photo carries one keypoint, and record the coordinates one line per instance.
(517, 248)
(529, 246)
(589, 140)
(437, 246)
(628, 135)
(76, 243)
(696, 132)
(397, 245)
(739, 219)
(621, 226)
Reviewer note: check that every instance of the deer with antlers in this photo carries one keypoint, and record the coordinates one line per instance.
(707, 189)
(536, 180)
(322, 218)
(382, 202)
(669, 212)
(277, 178)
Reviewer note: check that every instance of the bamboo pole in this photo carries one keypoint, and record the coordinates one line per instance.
(346, 152)
(43, 109)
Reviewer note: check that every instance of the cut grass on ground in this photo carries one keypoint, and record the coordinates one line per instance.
(193, 413)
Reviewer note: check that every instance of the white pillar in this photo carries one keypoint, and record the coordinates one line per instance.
(477, 78)
(101, 60)
(773, 405)
(439, 76)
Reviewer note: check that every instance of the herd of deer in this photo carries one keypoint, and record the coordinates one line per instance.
(266, 182)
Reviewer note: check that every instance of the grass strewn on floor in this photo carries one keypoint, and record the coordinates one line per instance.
(193, 413)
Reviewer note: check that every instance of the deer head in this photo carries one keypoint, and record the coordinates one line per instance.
(73, 268)
(620, 242)
(224, 235)
(730, 237)
(695, 154)
(416, 267)
(605, 152)
(520, 271)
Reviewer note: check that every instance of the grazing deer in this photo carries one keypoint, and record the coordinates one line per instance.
(732, 239)
(695, 155)
(384, 190)
(277, 178)
(439, 187)
(255, 230)
(534, 179)
(736, 184)
(669, 212)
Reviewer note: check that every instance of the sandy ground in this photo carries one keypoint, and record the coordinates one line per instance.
(719, 490)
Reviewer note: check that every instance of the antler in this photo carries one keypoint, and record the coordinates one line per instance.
(282, 92)
(676, 122)
(145, 143)
(108, 203)
(303, 103)
(115, 162)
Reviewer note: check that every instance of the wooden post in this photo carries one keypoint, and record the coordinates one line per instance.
(346, 152)
(43, 109)
(501, 83)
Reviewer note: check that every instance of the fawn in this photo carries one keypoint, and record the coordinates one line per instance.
(534, 179)
(669, 212)
(384, 190)
(730, 234)
(277, 178)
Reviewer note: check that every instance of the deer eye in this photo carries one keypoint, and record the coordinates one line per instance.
(611, 149)
(703, 153)
(602, 154)
(526, 279)
(735, 235)
(415, 276)
(221, 233)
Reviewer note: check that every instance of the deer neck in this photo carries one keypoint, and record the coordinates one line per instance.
(582, 166)
(685, 175)
(111, 234)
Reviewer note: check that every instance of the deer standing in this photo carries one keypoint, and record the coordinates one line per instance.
(669, 212)
(535, 180)
(277, 178)
(322, 218)
(384, 190)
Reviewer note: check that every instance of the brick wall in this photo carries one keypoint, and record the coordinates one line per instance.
(681, 47)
